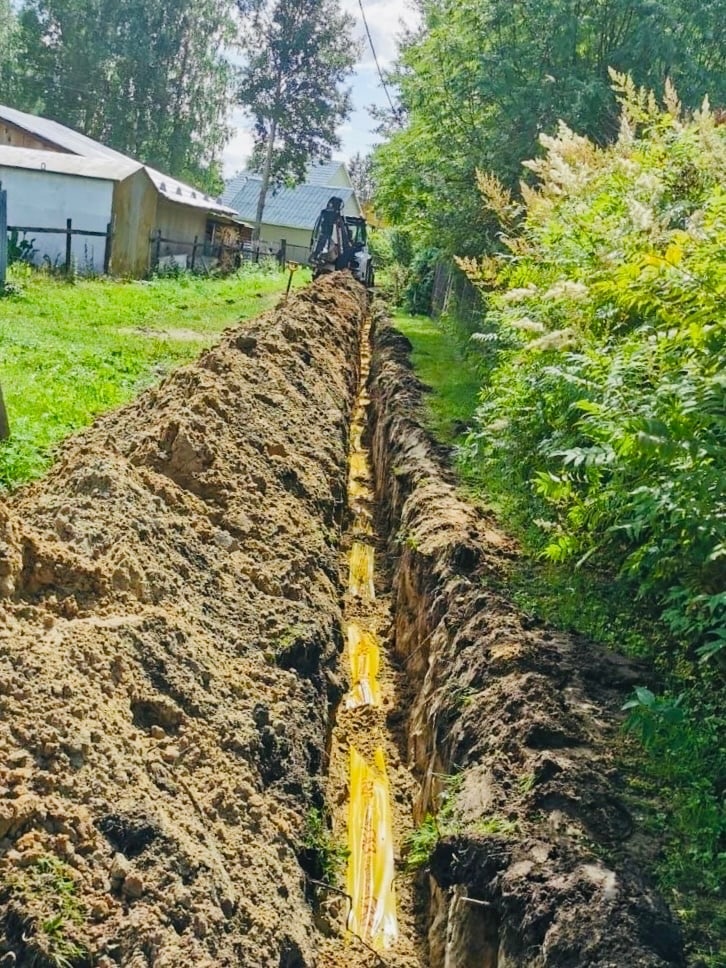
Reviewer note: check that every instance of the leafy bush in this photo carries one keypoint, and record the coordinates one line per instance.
(607, 404)
(421, 281)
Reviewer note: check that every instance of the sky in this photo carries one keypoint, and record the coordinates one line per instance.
(385, 19)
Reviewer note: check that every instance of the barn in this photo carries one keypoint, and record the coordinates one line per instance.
(53, 174)
(290, 213)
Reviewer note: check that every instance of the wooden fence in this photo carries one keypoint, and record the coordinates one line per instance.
(4, 426)
(69, 232)
(455, 295)
(3, 235)
(200, 252)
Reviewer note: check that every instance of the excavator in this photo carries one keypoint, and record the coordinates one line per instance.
(340, 242)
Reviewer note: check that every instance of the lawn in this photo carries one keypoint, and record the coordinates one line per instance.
(440, 362)
(69, 351)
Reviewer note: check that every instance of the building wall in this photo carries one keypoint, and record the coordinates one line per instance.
(272, 235)
(179, 223)
(11, 134)
(341, 179)
(45, 199)
(134, 210)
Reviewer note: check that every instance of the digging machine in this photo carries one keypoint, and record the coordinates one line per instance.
(340, 242)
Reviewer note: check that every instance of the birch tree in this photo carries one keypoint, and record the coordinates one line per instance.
(299, 54)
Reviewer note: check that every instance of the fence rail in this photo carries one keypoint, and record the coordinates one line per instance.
(3, 235)
(69, 232)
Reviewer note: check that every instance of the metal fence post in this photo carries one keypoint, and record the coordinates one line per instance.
(3, 235)
(194, 252)
(69, 245)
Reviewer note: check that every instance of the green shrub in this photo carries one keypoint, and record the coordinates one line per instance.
(607, 403)
(419, 291)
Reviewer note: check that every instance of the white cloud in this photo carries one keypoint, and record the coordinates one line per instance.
(238, 150)
(386, 20)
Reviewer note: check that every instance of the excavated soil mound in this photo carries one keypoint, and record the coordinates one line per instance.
(168, 610)
(535, 867)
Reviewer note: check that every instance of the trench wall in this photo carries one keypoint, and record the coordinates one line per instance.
(537, 865)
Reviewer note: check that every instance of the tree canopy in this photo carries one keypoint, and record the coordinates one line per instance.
(483, 78)
(149, 79)
(299, 54)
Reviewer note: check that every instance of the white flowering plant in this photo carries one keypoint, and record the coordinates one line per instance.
(606, 405)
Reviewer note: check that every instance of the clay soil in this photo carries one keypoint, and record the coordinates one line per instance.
(169, 610)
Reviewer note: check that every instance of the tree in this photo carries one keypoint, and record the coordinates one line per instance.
(8, 43)
(147, 77)
(360, 169)
(482, 79)
(299, 54)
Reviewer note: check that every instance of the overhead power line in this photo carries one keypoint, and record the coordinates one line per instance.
(375, 57)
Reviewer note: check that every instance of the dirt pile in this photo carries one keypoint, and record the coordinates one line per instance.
(535, 867)
(169, 609)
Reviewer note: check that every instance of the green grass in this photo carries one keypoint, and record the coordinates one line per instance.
(69, 351)
(441, 362)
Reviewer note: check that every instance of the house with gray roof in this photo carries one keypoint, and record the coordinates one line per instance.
(290, 213)
(53, 173)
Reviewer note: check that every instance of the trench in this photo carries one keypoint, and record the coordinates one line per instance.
(370, 791)
(171, 593)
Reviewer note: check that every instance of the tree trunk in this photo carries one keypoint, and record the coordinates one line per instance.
(265, 181)
(4, 425)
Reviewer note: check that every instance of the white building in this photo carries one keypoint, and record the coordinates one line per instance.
(53, 174)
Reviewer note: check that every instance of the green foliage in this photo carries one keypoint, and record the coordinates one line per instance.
(69, 352)
(483, 78)
(419, 290)
(330, 856)
(601, 430)
(441, 361)
(8, 43)
(605, 321)
(147, 78)
(687, 761)
(421, 842)
(299, 54)
(48, 891)
(360, 169)
(20, 250)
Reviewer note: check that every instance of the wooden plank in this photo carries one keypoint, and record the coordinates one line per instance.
(4, 424)
(69, 245)
(3, 236)
(41, 231)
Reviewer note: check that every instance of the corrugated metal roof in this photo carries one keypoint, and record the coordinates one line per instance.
(296, 208)
(34, 159)
(322, 172)
(80, 144)
(318, 173)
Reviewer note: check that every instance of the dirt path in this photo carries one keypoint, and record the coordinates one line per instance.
(168, 620)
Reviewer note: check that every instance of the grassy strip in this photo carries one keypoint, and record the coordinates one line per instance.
(674, 774)
(440, 361)
(69, 351)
